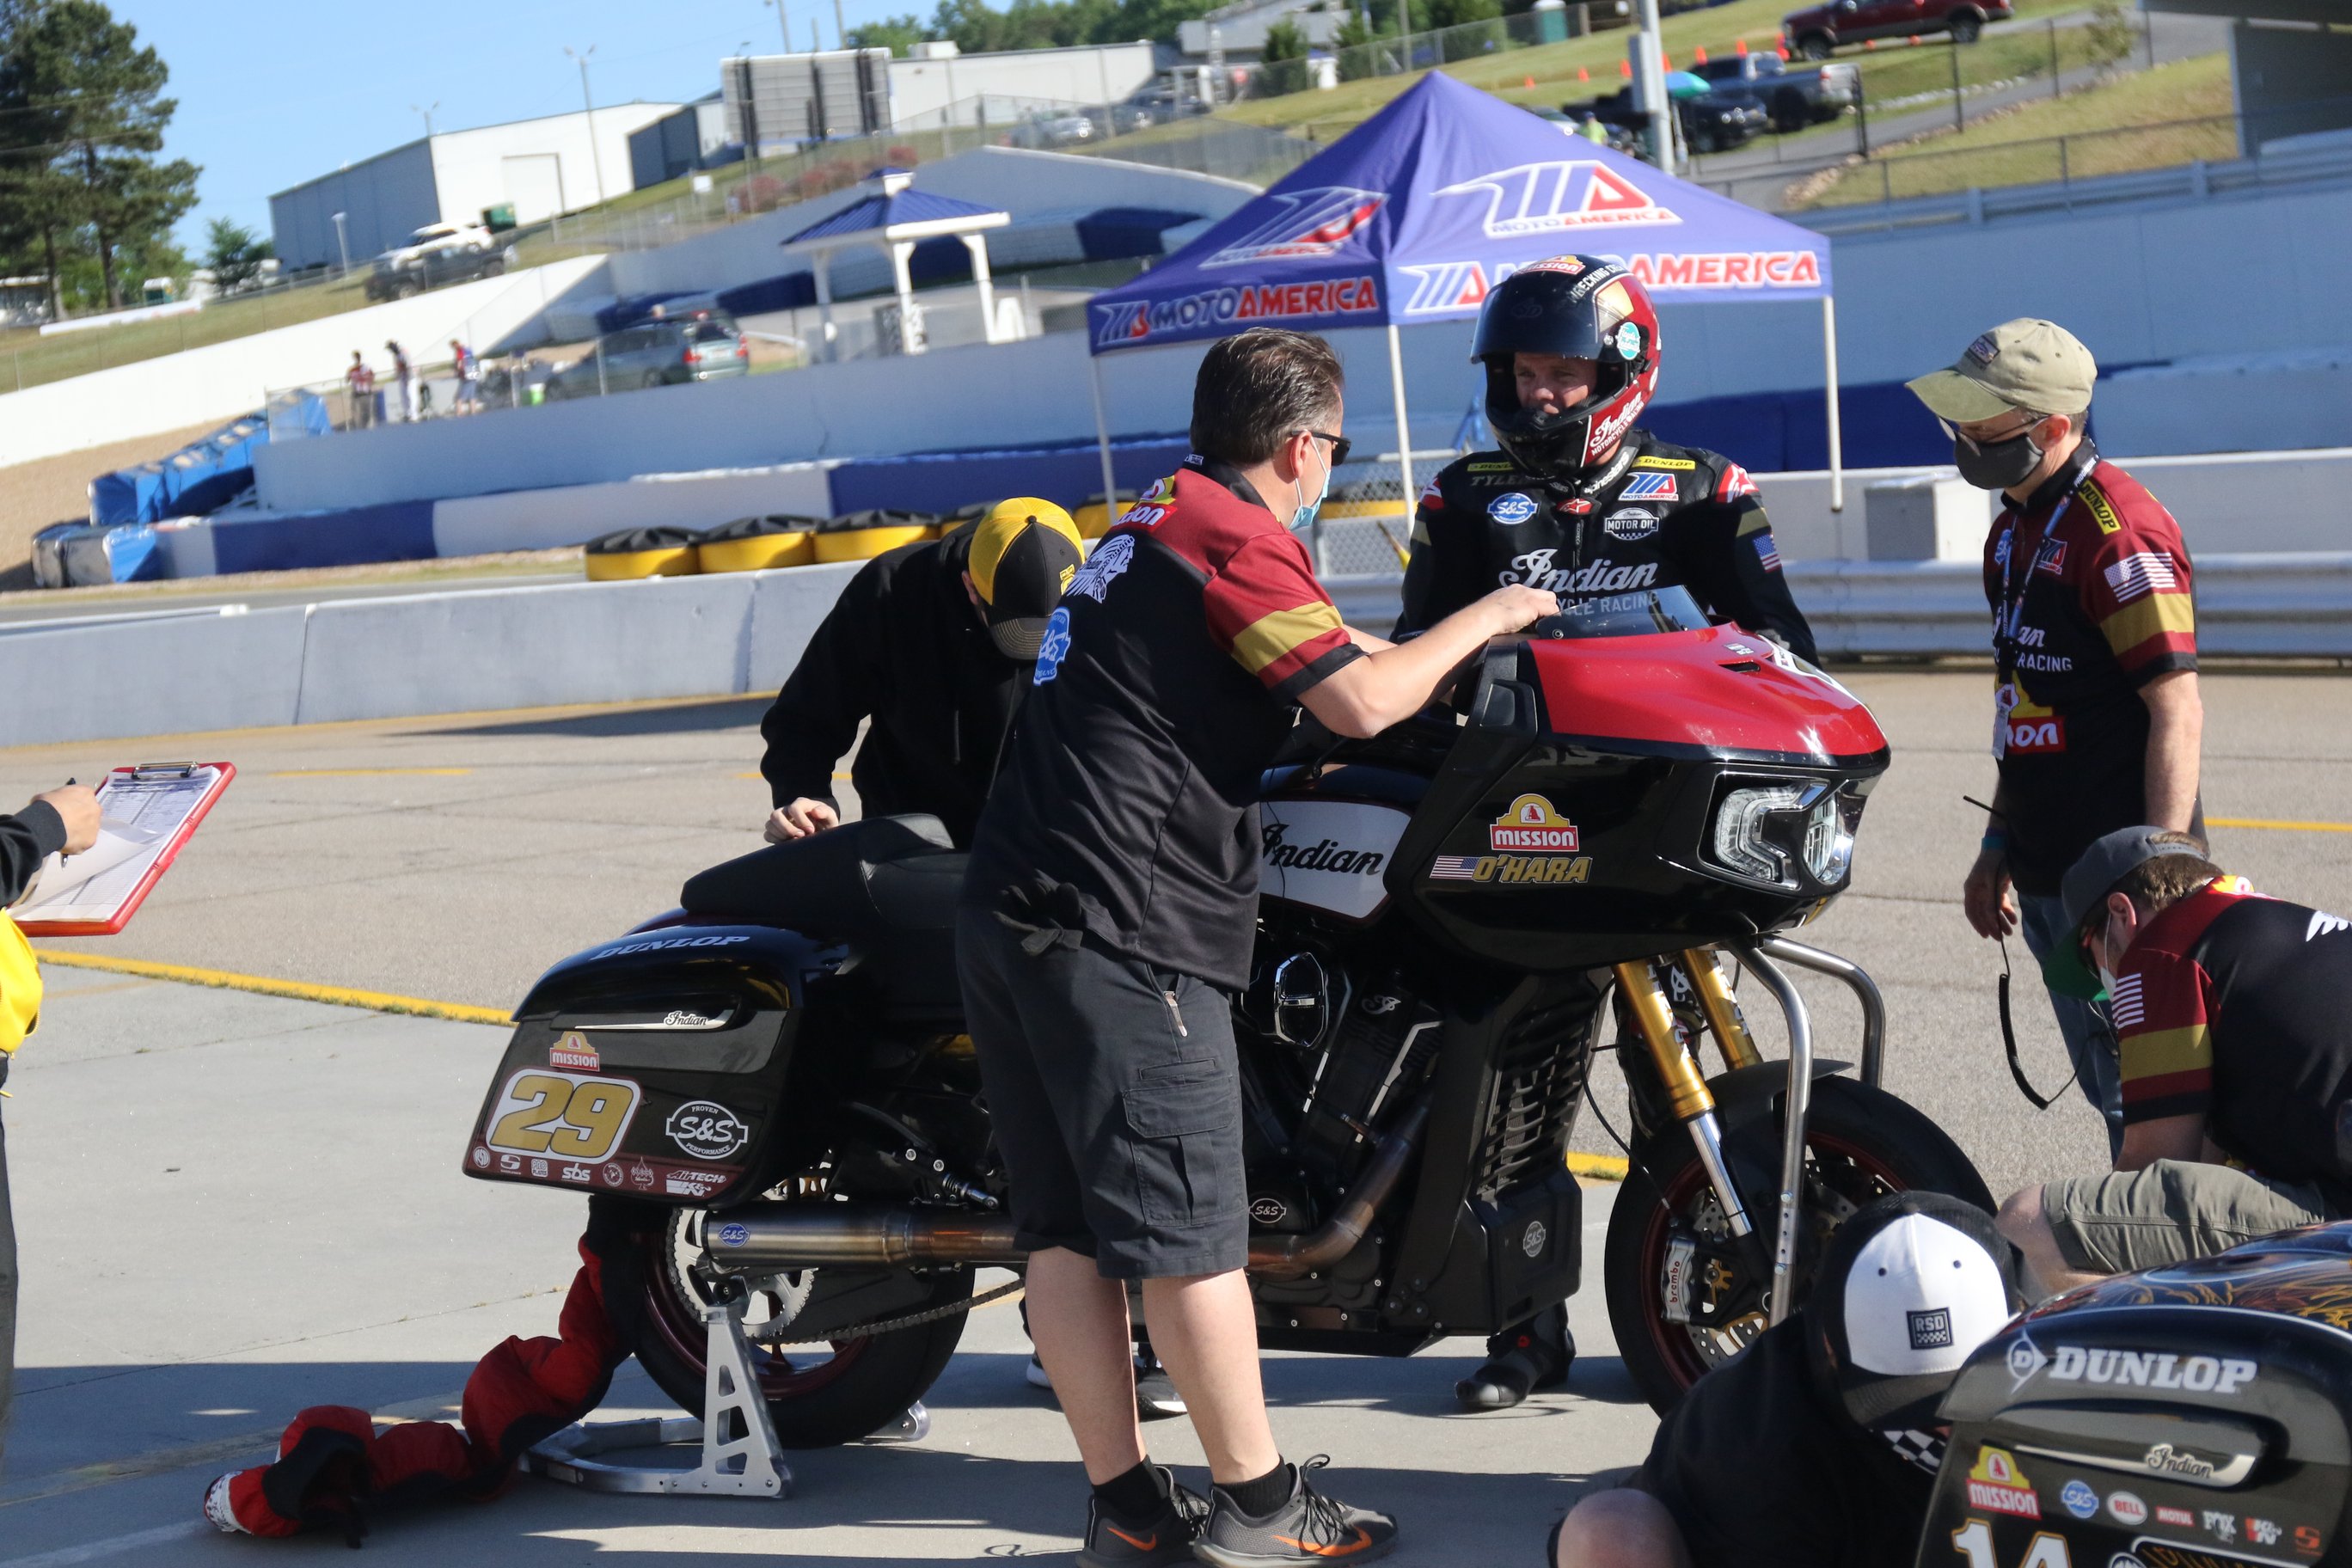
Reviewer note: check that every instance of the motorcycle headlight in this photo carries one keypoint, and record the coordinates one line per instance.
(1765, 832)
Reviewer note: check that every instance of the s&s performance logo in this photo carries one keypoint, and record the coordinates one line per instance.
(1130, 321)
(1313, 222)
(1555, 198)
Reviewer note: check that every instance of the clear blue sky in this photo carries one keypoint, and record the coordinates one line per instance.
(272, 93)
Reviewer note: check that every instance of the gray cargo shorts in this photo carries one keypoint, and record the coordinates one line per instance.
(2169, 1213)
(1115, 1100)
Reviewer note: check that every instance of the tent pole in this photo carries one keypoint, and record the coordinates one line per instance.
(1404, 440)
(1102, 437)
(1829, 363)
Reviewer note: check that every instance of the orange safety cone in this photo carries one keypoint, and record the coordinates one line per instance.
(1915, 41)
(1580, 75)
(1782, 50)
(1698, 55)
(1668, 59)
(1625, 69)
(1526, 81)
(1870, 43)
(1741, 46)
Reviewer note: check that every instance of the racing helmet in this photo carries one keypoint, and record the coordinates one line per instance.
(1578, 307)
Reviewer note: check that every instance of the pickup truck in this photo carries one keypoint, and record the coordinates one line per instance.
(1814, 32)
(1795, 95)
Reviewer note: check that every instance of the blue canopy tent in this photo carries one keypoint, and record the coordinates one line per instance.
(1415, 215)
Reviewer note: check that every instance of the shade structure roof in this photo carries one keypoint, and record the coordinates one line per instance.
(897, 211)
(1419, 212)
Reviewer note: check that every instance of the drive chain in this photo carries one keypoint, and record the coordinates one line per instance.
(779, 1335)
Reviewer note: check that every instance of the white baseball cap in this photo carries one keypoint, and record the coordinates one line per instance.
(1927, 1279)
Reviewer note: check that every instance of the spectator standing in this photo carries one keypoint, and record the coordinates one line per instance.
(60, 821)
(1107, 918)
(403, 377)
(2096, 717)
(361, 381)
(469, 372)
(1591, 130)
(2236, 1067)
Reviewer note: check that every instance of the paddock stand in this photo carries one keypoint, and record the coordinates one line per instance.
(751, 1465)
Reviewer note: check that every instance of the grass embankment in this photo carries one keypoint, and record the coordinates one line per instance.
(2112, 128)
(28, 359)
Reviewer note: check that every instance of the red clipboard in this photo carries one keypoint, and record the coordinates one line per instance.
(155, 861)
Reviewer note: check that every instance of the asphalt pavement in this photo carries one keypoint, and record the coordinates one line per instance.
(233, 1205)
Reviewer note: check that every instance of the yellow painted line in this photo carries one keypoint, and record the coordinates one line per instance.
(2278, 825)
(297, 990)
(842, 778)
(366, 772)
(1601, 1167)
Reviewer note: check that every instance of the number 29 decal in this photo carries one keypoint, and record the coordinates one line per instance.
(561, 1115)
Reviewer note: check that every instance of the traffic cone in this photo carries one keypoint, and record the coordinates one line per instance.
(1668, 59)
(1741, 46)
(1527, 81)
(1915, 41)
(1625, 69)
(1782, 50)
(1870, 43)
(1698, 55)
(1580, 75)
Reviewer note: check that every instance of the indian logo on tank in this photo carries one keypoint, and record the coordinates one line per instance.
(1556, 198)
(1314, 221)
(1332, 855)
(1530, 825)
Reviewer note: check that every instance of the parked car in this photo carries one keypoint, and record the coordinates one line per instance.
(1051, 128)
(1812, 32)
(422, 270)
(1710, 124)
(704, 347)
(1795, 97)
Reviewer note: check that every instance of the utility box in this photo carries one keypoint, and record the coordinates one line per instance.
(1934, 517)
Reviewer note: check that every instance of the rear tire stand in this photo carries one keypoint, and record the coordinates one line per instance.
(749, 1465)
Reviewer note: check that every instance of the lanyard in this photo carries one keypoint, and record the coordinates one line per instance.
(2012, 604)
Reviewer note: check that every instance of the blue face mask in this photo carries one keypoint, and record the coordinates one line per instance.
(1303, 517)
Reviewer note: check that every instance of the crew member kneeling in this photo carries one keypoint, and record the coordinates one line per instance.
(2234, 1013)
(1818, 1446)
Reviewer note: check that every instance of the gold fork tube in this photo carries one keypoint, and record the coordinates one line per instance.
(1722, 1008)
(1686, 1086)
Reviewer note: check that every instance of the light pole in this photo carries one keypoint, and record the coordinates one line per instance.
(428, 117)
(341, 249)
(595, 157)
(783, 25)
(840, 28)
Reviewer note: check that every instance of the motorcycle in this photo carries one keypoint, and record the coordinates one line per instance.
(1451, 913)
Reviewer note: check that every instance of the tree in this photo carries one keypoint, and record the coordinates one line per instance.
(1284, 57)
(234, 253)
(88, 120)
(899, 35)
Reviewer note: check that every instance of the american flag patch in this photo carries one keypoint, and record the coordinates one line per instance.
(2149, 571)
(1766, 552)
(1433, 496)
(2125, 1005)
(1649, 487)
(1455, 867)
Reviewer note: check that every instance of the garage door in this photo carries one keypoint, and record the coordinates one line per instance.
(535, 185)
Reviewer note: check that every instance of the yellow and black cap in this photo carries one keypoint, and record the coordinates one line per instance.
(1023, 554)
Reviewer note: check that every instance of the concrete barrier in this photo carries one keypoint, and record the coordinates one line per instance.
(573, 514)
(154, 676)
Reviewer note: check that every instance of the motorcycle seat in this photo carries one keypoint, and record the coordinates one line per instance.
(871, 882)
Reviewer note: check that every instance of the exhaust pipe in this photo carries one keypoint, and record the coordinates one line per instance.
(772, 1239)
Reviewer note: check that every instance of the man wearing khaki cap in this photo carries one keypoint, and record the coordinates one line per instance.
(2095, 711)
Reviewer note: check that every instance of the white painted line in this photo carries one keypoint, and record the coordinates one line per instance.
(91, 1552)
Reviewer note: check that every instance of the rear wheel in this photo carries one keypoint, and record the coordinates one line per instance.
(1967, 27)
(1860, 1143)
(1791, 112)
(819, 1395)
(1814, 46)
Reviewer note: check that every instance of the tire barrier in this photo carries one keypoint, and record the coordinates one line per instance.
(1093, 518)
(642, 552)
(758, 545)
(863, 535)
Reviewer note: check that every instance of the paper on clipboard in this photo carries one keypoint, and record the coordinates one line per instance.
(144, 816)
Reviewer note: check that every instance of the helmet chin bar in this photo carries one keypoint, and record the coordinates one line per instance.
(1549, 443)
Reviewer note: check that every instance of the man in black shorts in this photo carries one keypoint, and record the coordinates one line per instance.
(1110, 910)
(2231, 1013)
(1818, 1446)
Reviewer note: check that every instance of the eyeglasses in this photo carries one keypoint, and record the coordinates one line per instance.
(1978, 443)
(1340, 446)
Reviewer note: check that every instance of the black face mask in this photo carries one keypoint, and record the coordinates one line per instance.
(1997, 465)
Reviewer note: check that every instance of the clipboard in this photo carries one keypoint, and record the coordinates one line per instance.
(146, 813)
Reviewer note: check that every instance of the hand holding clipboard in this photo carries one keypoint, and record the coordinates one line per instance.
(145, 813)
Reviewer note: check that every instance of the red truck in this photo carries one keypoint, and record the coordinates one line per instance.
(1814, 32)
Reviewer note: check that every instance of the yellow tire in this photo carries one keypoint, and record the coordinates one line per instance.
(675, 561)
(865, 543)
(756, 552)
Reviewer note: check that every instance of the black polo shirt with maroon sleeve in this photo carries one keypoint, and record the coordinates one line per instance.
(1167, 680)
(2090, 586)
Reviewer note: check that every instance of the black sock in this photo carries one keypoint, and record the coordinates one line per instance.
(1268, 1493)
(1137, 1494)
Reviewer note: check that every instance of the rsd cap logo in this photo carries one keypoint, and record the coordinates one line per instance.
(1559, 197)
(1531, 826)
(1512, 508)
(1314, 221)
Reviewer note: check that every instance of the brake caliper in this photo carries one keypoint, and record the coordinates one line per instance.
(1675, 1279)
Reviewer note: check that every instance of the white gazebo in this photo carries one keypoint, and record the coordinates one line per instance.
(896, 217)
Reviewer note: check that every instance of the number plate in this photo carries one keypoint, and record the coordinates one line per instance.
(573, 1117)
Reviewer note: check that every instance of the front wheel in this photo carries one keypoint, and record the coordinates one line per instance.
(1670, 1249)
(819, 1395)
(1814, 46)
(1966, 29)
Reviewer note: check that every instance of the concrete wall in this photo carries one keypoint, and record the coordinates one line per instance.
(384, 200)
(573, 514)
(921, 90)
(224, 380)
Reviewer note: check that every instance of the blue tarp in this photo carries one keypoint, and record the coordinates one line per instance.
(197, 478)
(1416, 214)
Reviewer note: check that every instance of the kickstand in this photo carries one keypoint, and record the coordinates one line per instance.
(751, 1465)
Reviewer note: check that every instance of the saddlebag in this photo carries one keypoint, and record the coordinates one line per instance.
(2186, 1417)
(649, 1067)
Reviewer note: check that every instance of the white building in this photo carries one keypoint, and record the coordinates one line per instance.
(1239, 29)
(556, 163)
(940, 86)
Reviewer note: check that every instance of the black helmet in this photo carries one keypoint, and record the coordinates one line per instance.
(1578, 307)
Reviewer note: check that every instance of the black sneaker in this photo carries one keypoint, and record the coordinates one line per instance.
(1309, 1528)
(1167, 1538)
(1156, 1398)
(1520, 1362)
